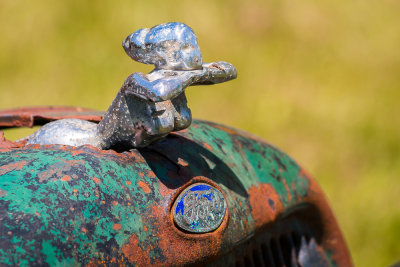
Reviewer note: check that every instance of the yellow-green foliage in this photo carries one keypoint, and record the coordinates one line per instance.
(320, 79)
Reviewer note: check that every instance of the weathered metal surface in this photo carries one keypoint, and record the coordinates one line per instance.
(148, 106)
(31, 116)
(65, 205)
(200, 208)
(73, 132)
(171, 46)
(294, 240)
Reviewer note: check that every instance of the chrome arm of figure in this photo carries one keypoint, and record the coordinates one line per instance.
(170, 85)
(162, 85)
(148, 106)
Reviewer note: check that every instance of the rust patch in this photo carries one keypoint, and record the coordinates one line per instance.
(66, 178)
(207, 146)
(96, 180)
(226, 129)
(30, 116)
(151, 174)
(140, 159)
(12, 167)
(7, 144)
(182, 162)
(144, 186)
(128, 182)
(58, 169)
(117, 226)
(115, 203)
(76, 152)
(164, 190)
(134, 253)
(265, 204)
(289, 196)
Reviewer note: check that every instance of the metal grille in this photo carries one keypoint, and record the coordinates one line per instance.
(292, 241)
(288, 250)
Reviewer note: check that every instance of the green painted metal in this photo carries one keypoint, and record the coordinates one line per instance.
(70, 206)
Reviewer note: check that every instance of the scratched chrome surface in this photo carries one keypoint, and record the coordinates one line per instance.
(148, 106)
(72, 132)
(200, 208)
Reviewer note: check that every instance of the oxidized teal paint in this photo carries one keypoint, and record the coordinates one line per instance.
(63, 206)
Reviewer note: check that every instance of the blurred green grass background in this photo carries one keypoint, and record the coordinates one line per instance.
(319, 79)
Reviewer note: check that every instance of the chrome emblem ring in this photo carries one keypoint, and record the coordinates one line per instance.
(200, 208)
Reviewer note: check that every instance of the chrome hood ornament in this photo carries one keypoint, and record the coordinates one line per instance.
(148, 106)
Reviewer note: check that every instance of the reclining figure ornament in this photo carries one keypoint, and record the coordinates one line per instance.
(148, 106)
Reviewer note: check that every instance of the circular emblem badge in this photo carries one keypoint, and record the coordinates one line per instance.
(200, 208)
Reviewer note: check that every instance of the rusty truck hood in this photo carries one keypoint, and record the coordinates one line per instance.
(69, 205)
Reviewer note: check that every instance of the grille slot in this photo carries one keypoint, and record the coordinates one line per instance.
(283, 251)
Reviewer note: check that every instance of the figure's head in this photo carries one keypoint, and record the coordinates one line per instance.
(168, 46)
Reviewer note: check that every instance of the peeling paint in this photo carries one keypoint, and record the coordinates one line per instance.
(80, 205)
